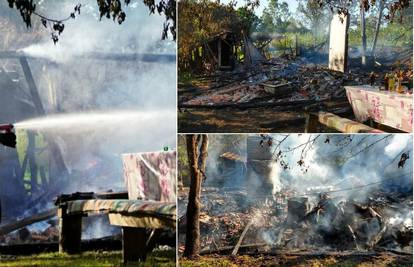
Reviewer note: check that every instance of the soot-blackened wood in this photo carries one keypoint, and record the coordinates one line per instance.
(17, 224)
(134, 244)
(70, 232)
(311, 123)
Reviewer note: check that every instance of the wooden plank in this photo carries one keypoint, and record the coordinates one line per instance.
(134, 244)
(338, 43)
(141, 221)
(17, 224)
(236, 248)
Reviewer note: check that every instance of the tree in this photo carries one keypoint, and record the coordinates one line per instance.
(107, 9)
(197, 146)
(248, 20)
(199, 20)
(343, 7)
(312, 15)
(381, 6)
(276, 16)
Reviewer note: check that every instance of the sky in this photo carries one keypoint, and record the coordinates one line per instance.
(293, 4)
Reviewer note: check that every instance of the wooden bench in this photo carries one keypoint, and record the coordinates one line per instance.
(149, 209)
(336, 122)
(134, 216)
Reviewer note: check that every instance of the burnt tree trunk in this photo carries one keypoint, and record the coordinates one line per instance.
(197, 162)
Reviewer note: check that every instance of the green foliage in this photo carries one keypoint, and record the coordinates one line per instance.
(248, 19)
(312, 16)
(390, 35)
(276, 17)
(201, 19)
(110, 9)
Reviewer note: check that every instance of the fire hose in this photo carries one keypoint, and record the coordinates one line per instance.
(7, 136)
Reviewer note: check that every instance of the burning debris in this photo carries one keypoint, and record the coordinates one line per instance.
(303, 223)
(260, 210)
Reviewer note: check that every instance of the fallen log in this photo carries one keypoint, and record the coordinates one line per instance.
(17, 224)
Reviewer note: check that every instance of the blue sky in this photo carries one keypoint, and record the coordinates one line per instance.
(293, 4)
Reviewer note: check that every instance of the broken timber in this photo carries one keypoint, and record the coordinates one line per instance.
(336, 122)
(143, 57)
(236, 248)
(15, 225)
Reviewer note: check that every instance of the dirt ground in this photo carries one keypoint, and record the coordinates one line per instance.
(255, 120)
(380, 259)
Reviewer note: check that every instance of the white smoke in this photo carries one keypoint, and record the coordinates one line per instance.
(139, 33)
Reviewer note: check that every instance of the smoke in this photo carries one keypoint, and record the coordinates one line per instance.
(139, 33)
(332, 162)
(97, 108)
(275, 177)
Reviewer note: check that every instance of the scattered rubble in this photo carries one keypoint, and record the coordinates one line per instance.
(320, 223)
(280, 80)
(42, 232)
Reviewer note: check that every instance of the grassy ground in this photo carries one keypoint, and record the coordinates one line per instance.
(380, 260)
(87, 259)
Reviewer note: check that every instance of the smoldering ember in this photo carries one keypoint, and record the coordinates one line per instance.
(300, 200)
(82, 134)
(326, 66)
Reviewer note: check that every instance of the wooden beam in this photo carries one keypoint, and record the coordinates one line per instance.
(236, 248)
(143, 221)
(32, 85)
(311, 123)
(17, 224)
(141, 57)
(338, 123)
(57, 155)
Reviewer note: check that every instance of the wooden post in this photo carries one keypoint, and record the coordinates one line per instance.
(32, 163)
(134, 244)
(311, 123)
(70, 231)
(219, 52)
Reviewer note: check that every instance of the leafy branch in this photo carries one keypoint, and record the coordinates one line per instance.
(107, 8)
